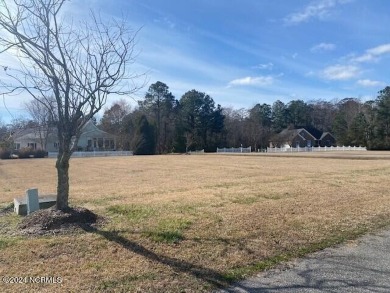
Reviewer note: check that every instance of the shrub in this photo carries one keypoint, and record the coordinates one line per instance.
(5, 154)
(40, 154)
(24, 153)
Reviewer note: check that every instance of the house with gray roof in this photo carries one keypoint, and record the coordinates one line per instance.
(301, 138)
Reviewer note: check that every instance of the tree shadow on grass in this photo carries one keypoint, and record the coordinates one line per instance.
(205, 274)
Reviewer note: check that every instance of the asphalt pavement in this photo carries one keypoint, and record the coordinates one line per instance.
(362, 265)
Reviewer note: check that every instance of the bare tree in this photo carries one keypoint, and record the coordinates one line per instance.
(42, 116)
(77, 64)
(113, 122)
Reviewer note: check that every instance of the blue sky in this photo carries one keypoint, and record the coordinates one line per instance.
(243, 52)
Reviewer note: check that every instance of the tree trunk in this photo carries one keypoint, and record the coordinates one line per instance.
(62, 166)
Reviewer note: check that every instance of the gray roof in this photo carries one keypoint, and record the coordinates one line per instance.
(289, 134)
(325, 134)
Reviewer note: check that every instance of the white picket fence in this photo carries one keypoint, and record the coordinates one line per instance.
(315, 149)
(95, 154)
(234, 150)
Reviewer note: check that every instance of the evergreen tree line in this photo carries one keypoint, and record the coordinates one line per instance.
(162, 124)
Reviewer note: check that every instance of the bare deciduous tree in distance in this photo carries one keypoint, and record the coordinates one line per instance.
(79, 65)
(42, 115)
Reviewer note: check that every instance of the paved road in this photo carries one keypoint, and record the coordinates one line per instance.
(358, 266)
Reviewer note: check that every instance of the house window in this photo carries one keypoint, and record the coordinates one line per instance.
(32, 145)
(56, 145)
(17, 146)
(100, 142)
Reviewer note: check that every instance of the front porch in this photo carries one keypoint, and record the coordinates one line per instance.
(99, 144)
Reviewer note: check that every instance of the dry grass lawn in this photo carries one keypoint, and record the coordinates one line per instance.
(190, 223)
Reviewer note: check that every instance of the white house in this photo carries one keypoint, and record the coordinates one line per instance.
(91, 139)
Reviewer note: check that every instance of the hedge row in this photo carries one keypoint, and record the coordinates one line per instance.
(22, 154)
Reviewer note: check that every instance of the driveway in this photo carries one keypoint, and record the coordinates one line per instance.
(362, 265)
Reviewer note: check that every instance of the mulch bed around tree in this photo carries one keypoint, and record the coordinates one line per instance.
(52, 221)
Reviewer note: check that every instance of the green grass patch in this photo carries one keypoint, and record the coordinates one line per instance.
(6, 208)
(6, 242)
(245, 200)
(168, 230)
(185, 209)
(132, 212)
(240, 273)
(103, 201)
(9, 222)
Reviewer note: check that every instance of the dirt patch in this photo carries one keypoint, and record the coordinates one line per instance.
(52, 221)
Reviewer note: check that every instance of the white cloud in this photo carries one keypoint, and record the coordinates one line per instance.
(369, 83)
(165, 21)
(373, 54)
(340, 72)
(252, 81)
(265, 66)
(380, 50)
(364, 58)
(317, 9)
(323, 47)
